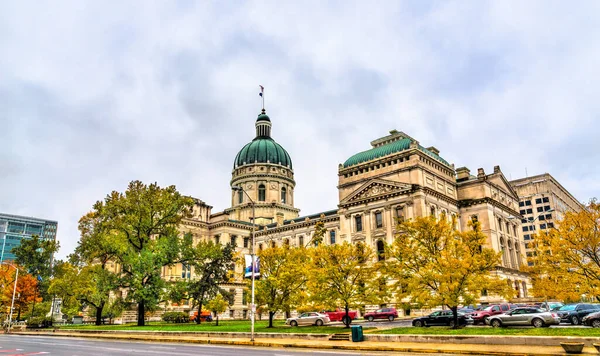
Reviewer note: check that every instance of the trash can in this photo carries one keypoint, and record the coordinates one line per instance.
(357, 333)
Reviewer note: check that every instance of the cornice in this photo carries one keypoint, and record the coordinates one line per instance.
(263, 175)
(259, 205)
(298, 225)
(386, 196)
(438, 195)
(487, 200)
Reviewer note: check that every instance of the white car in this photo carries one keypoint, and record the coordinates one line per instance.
(310, 318)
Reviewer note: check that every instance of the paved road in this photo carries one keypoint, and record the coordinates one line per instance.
(15, 345)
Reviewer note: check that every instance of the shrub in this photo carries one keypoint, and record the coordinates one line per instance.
(176, 317)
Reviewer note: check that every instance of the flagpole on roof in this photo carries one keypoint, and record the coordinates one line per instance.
(262, 95)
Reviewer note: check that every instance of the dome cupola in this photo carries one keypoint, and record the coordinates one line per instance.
(263, 149)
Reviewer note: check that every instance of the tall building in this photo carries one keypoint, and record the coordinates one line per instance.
(542, 203)
(396, 177)
(14, 228)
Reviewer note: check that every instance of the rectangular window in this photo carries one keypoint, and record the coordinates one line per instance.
(529, 211)
(525, 228)
(358, 221)
(528, 202)
(217, 239)
(332, 237)
(526, 237)
(551, 225)
(246, 242)
(532, 228)
(378, 219)
(233, 240)
(521, 203)
(542, 226)
(540, 209)
(524, 221)
(546, 200)
(548, 216)
(547, 207)
(538, 201)
(522, 212)
(400, 213)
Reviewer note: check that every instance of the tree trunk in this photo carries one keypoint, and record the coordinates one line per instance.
(217, 316)
(19, 314)
(271, 315)
(141, 312)
(99, 309)
(288, 314)
(33, 308)
(455, 316)
(347, 308)
(198, 318)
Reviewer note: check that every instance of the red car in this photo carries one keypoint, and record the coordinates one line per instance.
(383, 313)
(479, 316)
(340, 315)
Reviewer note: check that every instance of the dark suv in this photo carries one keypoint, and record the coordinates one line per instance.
(383, 313)
(573, 313)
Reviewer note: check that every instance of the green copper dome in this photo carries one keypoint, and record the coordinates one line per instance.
(388, 149)
(263, 149)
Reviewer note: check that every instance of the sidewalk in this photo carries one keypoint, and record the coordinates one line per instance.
(462, 349)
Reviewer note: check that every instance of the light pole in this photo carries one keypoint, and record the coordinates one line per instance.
(252, 271)
(12, 304)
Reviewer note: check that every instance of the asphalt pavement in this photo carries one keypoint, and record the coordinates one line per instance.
(15, 345)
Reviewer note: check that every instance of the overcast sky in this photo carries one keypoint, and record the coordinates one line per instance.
(94, 94)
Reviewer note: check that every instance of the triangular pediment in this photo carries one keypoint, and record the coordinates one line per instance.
(500, 180)
(376, 188)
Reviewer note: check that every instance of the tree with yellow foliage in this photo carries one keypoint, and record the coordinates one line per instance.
(282, 279)
(433, 264)
(344, 275)
(566, 262)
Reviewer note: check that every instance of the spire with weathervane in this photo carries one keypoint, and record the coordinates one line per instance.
(263, 123)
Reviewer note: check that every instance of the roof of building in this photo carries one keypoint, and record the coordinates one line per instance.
(262, 150)
(388, 149)
(263, 117)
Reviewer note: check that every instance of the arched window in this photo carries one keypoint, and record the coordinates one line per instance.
(380, 250)
(273, 245)
(499, 224)
(301, 241)
(283, 195)
(286, 242)
(240, 196)
(260, 247)
(261, 192)
(432, 211)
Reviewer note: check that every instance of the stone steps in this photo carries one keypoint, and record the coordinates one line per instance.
(340, 337)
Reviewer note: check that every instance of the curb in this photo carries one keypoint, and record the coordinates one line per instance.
(357, 347)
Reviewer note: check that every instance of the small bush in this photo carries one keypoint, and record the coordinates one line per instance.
(39, 322)
(176, 317)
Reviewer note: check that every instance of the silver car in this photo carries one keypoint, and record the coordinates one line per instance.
(524, 316)
(310, 318)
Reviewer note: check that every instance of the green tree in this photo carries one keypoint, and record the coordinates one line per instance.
(342, 275)
(319, 233)
(569, 255)
(433, 264)
(217, 305)
(92, 269)
(35, 256)
(212, 265)
(282, 279)
(142, 224)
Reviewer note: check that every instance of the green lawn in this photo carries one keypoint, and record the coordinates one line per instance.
(224, 326)
(521, 331)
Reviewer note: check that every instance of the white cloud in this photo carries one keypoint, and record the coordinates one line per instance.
(95, 95)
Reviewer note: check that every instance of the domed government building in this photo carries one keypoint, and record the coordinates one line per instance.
(396, 178)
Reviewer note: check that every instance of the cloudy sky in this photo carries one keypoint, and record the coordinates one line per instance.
(96, 94)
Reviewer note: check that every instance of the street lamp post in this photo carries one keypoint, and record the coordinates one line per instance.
(12, 304)
(252, 271)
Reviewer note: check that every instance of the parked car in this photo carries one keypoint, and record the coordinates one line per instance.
(466, 310)
(551, 305)
(443, 317)
(573, 313)
(205, 316)
(310, 318)
(592, 319)
(524, 316)
(340, 314)
(494, 309)
(383, 313)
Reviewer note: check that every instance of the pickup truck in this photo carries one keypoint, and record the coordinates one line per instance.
(339, 315)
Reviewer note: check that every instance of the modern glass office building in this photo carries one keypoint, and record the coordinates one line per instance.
(14, 228)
